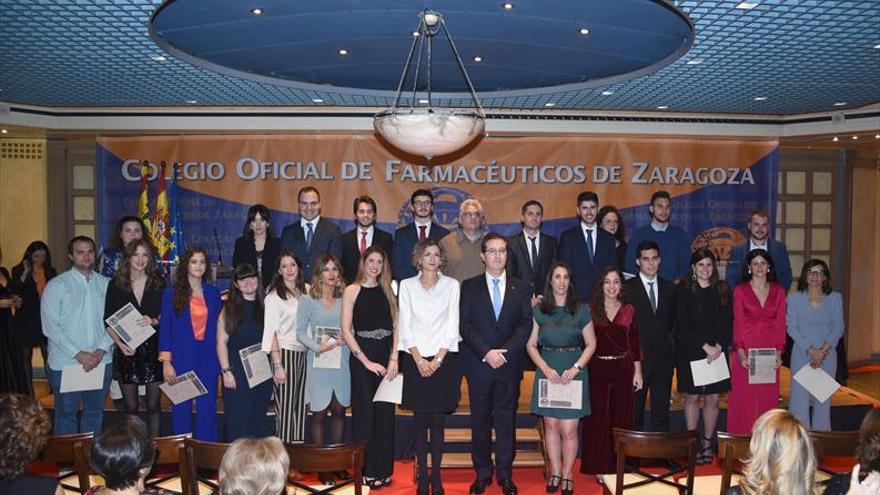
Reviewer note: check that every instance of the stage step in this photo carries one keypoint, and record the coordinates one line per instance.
(524, 458)
(463, 435)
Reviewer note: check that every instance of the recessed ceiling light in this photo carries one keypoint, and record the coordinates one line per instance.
(191, 102)
(855, 138)
(159, 58)
(840, 104)
(662, 107)
(507, 6)
(549, 104)
(342, 51)
(607, 93)
(695, 61)
(3, 131)
(423, 101)
(584, 31)
(317, 100)
(760, 98)
(876, 136)
(746, 5)
(478, 58)
(834, 139)
(877, 46)
(256, 11)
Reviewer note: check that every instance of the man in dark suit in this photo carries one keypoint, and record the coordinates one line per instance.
(495, 320)
(586, 248)
(311, 236)
(363, 235)
(654, 300)
(531, 252)
(759, 237)
(406, 237)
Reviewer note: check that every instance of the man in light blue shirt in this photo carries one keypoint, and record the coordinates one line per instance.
(72, 311)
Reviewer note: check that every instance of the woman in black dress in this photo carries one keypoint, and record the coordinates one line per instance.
(369, 313)
(257, 245)
(136, 282)
(240, 326)
(703, 330)
(29, 278)
(12, 376)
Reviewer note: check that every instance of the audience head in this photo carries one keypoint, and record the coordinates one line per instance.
(609, 288)
(127, 229)
(24, 429)
(471, 217)
(559, 282)
(758, 263)
(327, 273)
(288, 273)
(81, 251)
(422, 203)
(37, 254)
(610, 221)
(532, 215)
(781, 459)
(428, 251)
(123, 455)
(868, 450)
(258, 222)
(661, 206)
(759, 225)
(648, 258)
(365, 211)
(254, 467)
(309, 203)
(815, 274)
(587, 207)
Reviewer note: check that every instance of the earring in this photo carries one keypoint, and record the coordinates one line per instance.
(693, 276)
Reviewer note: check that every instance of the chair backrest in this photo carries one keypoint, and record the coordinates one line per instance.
(169, 451)
(732, 448)
(199, 455)
(70, 451)
(833, 444)
(656, 445)
(327, 458)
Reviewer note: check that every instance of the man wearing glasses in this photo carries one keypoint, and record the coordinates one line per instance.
(311, 236)
(422, 227)
(462, 247)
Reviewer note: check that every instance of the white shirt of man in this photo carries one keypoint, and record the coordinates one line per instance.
(593, 234)
(537, 238)
(648, 287)
(360, 235)
(753, 245)
(502, 286)
(426, 225)
(314, 222)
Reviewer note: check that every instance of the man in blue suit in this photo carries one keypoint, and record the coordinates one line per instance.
(494, 321)
(586, 248)
(311, 236)
(759, 237)
(406, 237)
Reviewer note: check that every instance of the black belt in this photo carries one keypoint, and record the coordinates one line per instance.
(561, 349)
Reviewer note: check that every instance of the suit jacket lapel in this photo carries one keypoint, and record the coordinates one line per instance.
(507, 302)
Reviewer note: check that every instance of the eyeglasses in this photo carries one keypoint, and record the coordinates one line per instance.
(496, 252)
(472, 214)
(816, 273)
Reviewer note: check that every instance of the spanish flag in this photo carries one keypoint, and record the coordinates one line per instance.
(161, 228)
(144, 199)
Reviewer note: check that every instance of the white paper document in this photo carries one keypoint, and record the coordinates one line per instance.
(559, 395)
(705, 373)
(818, 383)
(125, 323)
(256, 365)
(390, 391)
(188, 387)
(75, 379)
(762, 365)
(331, 359)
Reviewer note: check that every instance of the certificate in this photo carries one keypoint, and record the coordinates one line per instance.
(762, 365)
(256, 365)
(331, 359)
(75, 379)
(125, 323)
(560, 396)
(390, 391)
(705, 373)
(818, 383)
(188, 387)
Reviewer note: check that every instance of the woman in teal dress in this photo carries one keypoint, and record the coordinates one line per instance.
(561, 345)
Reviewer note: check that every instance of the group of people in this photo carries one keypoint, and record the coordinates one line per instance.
(612, 318)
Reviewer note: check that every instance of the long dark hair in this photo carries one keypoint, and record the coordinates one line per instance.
(247, 232)
(548, 305)
(805, 272)
(116, 240)
(29, 253)
(122, 278)
(278, 280)
(182, 289)
(690, 281)
(747, 269)
(384, 279)
(233, 310)
(620, 235)
(598, 302)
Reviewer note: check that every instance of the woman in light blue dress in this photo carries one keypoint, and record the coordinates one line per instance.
(815, 322)
(328, 390)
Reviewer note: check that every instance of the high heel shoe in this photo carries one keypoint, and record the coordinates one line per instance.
(706, 455)
(567, 487)
(551, 486)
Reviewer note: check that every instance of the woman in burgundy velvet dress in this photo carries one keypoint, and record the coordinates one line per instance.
(615, 372)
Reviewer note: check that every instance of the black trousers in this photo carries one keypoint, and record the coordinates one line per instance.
(493, 404)
(658, 384)
(372, 422)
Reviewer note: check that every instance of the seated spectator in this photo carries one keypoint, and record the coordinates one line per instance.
(867, 453)
(123, 455)
(254, 467)
(781, 459)
(24, 429)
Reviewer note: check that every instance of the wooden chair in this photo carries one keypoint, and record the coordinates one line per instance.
(325, 458)
(70, 451)
(199, 455)
(655, 445)
(169, 451)
(732, 448)
(833, 444)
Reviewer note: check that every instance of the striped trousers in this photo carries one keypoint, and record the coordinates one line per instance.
(290, 408)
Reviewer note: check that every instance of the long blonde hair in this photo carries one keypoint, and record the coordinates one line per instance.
(254, 467)
(384, 279)
(782, 461)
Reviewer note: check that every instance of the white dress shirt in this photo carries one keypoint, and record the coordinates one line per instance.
(314, 222)
(655, 281)
(595, 234)
(753, 246)
(528, 239)
(360, 234)
(428, 318)
(502, 286)
(427, 226)
(659, 227)
(280, 320)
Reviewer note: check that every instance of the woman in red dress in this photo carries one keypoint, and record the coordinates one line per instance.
(615, 372)
(758, 322)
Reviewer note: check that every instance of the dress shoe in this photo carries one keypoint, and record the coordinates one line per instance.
(567, 487)
(553, 483)
(507, 487)
(479, 486)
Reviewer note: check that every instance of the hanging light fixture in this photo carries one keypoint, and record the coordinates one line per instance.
(429, 131)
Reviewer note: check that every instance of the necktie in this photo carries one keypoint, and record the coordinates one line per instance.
(590, 244)
(363, 241)
(533, 252)
(309, 235)
(422, 229)
(652, 297)
(496, 297)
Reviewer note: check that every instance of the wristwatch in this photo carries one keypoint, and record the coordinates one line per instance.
(577, 366)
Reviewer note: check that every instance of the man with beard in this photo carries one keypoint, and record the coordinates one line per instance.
(759, 237)
(406, 237)
(363, 235)
(673, 241)
(531, 251)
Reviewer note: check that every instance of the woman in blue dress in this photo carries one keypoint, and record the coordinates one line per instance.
(563, 328)
(318, 327)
